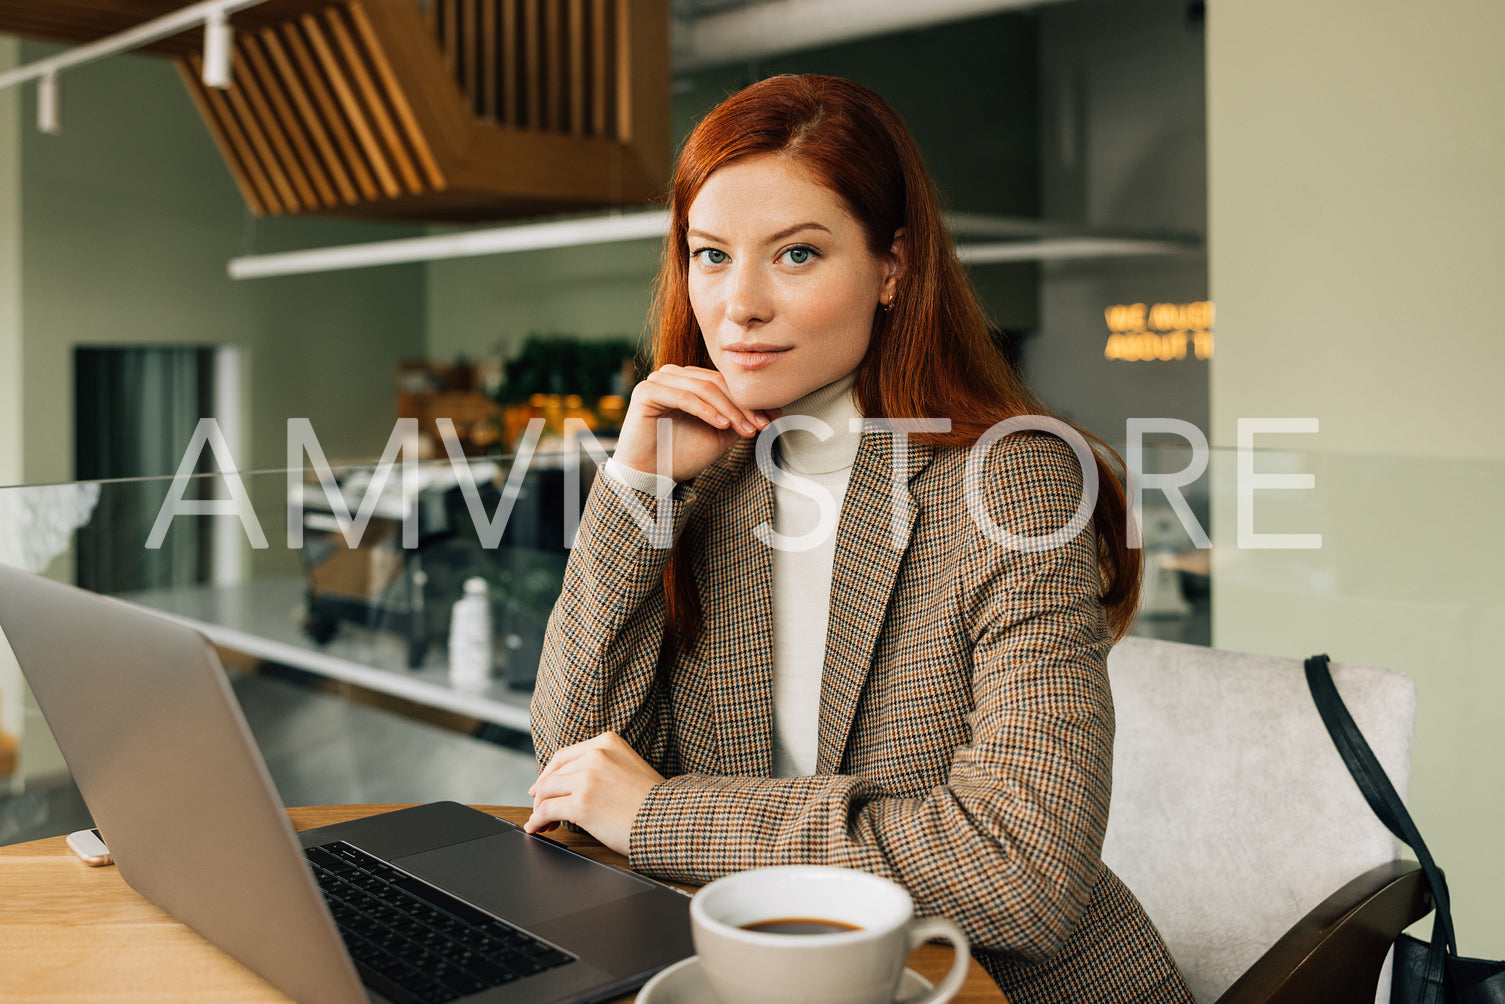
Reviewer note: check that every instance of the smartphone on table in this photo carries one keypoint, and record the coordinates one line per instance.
(90, 847)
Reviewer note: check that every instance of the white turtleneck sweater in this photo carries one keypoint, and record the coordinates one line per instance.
(802, 565)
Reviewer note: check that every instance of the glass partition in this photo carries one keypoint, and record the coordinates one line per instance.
(1386, 560)
(1234, 552)
(326, 621)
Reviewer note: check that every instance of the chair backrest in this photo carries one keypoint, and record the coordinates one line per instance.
(1233, 814)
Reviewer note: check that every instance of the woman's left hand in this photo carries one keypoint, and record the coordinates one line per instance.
(598, 785)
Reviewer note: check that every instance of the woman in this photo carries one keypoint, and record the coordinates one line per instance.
(922, 693)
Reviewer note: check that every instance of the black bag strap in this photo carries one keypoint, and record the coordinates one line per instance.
(1381, 795)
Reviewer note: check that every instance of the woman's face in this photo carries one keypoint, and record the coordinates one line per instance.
(781, 280)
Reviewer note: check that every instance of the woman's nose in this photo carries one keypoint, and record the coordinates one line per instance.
(749, 302)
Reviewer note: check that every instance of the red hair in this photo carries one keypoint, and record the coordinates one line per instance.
(931, 354)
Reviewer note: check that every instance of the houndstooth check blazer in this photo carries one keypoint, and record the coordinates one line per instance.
(966, 726)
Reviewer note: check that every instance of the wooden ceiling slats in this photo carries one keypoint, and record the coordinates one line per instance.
(553, 38)
(49, 27)
(260, 144)
(623, 55)
(237, 137)
(87, 20)
(372, 99)
(449, 15)
(350, 104)
(470, 30)
(329, 111)
(274, 87)
(416, 63)
(328, 159)
(388, 85)
(578, 87)
(453, 109)
(510, 63)
(490, 78)
(230, 146)
(276, 128)
(600, 69)
(533, 62)
(642, 120)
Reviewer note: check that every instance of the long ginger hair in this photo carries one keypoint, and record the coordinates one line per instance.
(931, 354)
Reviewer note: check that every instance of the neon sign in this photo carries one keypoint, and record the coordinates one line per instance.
(1162, 332)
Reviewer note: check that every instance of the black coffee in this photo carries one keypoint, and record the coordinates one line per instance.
(800, 925)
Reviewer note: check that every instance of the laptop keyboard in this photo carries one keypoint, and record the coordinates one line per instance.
(416, 944)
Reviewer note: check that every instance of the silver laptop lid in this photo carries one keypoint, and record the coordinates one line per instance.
(145, 718)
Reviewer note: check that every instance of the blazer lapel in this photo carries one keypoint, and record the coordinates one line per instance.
(737, 612)
(870, 547)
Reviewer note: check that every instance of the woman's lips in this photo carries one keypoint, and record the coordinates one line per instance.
(753, 357)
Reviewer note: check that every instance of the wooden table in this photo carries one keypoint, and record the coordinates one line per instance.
(71, 933)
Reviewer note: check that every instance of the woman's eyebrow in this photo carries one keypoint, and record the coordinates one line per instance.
(786, 232)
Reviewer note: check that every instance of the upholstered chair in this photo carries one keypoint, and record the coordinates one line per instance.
(1238, 827)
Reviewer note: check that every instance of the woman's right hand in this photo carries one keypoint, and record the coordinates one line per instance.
(706, 421)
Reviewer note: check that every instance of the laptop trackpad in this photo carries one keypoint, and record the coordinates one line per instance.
(523, 879)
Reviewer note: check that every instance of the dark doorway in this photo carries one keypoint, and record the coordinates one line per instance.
(136, 410)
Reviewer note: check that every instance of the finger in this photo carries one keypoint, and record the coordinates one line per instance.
(716, 378)
(713, 384)
(565, 793)
(548, 815)
(566, 755)
(551, 804)
(661, 399)
(561, 782)
(649, 399)
(699, 397)
(563, 756)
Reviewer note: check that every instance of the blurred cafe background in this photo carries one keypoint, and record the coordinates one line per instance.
(1193, 214)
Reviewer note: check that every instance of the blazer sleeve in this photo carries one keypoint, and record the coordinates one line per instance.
(1008, 845)
(599, 670)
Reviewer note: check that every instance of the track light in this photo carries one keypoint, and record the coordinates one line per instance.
(48, 120)
(218, 42)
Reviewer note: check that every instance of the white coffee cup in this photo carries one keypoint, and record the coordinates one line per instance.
(860, 965)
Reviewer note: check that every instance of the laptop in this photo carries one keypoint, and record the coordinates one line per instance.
(434, 903)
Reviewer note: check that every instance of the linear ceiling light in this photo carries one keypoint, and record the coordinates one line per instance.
(1039, 241)
(212, 14)
(772, 27)
(1067, 248)
(463, 244)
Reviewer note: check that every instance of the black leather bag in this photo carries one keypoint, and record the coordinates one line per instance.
(1425, 972)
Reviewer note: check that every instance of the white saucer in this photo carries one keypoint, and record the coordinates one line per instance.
(685, 983)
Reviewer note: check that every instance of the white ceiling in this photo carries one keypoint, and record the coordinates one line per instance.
(708, 32)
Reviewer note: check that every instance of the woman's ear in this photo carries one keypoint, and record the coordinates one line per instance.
(897, 262)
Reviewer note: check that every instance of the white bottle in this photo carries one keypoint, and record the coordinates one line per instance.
(470, 638)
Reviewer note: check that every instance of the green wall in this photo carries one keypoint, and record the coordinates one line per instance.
(11, 686)
(967, 92)
(116, 232)
(1356, 213)
(130, 216)
(10, 272)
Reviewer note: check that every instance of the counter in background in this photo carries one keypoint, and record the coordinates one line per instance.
(264, 618)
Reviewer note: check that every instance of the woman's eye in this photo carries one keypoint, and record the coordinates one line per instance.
(711, 256)
(799, 255)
